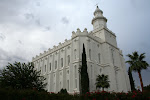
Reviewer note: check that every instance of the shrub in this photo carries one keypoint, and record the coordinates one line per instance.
(11, 94)
(63, 91)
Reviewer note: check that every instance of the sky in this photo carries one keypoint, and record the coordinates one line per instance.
(29, 27)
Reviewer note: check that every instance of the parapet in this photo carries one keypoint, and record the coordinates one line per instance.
(54, 49)
(79, 33)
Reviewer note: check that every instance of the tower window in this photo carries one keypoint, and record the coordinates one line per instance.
(112, 55)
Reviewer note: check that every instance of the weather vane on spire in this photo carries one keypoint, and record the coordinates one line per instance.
(97, 5)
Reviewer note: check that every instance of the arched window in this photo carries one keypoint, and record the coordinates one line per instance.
(75, 74)
(100, 70)
(50, 66)
(61, 62)
(90, 54)
(68, 60)
(68, 85)
(112, 55)
(55, 64)
(99, 58)
(75, 83)
(75, 71)
(75, 53)
(60, 86)
(45, 68)
(40, 70)
(91, 71)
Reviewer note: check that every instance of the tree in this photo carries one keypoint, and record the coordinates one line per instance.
(131, 79)
(84, 74)
(147, 87)
(102, 81)
(21, 76)
(137, 63)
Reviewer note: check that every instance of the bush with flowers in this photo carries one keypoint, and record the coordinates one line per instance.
(11, 94)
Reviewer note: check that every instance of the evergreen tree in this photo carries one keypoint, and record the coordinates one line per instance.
(84, 74)
(21, 76)
(131, 79)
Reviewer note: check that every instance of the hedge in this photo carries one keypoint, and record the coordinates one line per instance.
(10, 94)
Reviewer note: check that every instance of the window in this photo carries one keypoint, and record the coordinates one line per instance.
(75, 71)
(100, 70)
(50, 66)
(60, 85)
(67, 71)
(99, 58)
(61, 62)
(75, 53)
(55, 64)
(75, 83)
(45, 68)
(90, 54)
(75, 75)
(54, 87)
(68, 85)
(112, 55)
(91, 72)
(68, 60)
(40, 70)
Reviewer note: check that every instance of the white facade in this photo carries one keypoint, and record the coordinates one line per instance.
(60, 64)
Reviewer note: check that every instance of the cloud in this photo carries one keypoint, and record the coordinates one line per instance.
(2, 37)
(8, 57)
(29, 16)
(38, 4)
(47, 28)
(64, 20)
(20, 41)
(38, 22)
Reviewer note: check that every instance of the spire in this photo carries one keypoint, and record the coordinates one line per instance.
(97, 10)
(99, 20)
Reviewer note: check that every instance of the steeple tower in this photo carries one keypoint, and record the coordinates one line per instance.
(99, 20)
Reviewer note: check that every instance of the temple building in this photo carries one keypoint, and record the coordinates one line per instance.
(61, 63)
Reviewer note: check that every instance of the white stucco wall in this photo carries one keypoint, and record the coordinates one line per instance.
(103, 57)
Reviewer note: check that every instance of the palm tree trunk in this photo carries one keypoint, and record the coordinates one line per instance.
(140, 79)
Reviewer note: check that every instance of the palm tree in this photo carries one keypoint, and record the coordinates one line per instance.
(137, 63)
(102, 81)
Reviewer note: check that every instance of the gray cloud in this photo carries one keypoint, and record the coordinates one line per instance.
(29, 16)
(64, 20)
(7, 57)
(38, 22)
(20, 41)
(47, 28)
(38, 4)
(2, 37)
